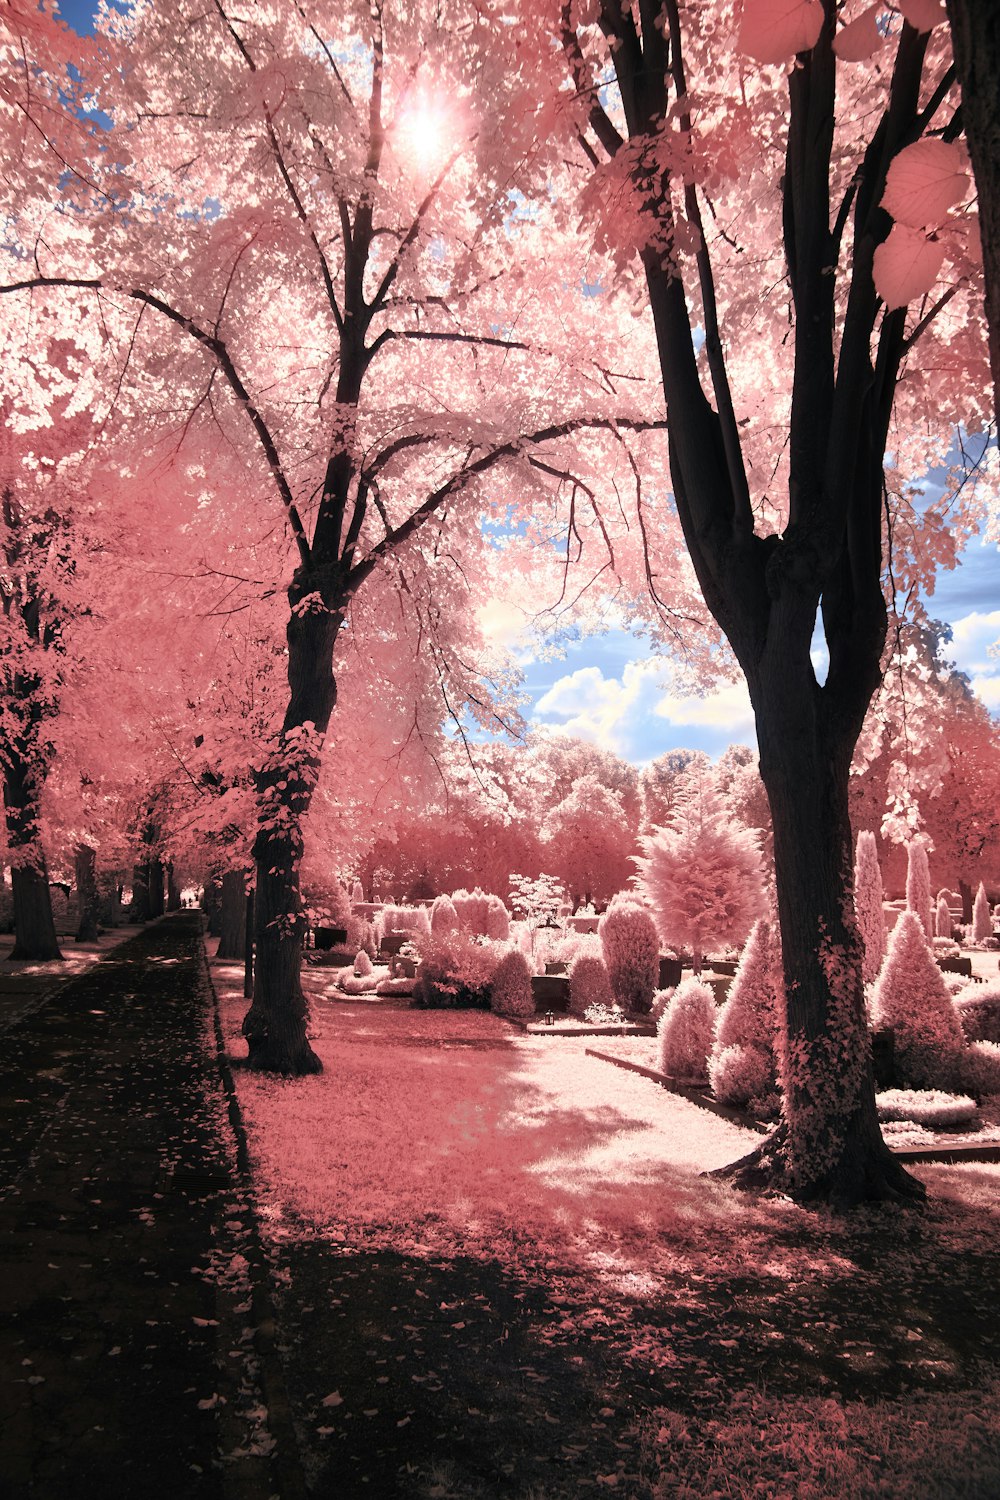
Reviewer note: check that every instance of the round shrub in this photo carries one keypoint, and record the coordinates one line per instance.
(739, 1074)
(588, 983)
(978, 1007)
(497, 920)
(929, 1107)
(912, 999)
(979, 1069)
(631, 951)
(510, 990)
(444, 917)
(456, 972)
(473, 910)
(362, 964)
(661, 999)
(685, 1032)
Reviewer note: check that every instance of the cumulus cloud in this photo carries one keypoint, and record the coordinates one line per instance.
(973, 638)
(638, 716)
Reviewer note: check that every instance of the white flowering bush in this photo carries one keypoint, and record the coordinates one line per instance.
(631, 949)
(588, 983)
(912, 999)
(740, 1074)
(685, 1032)
(510, 987)
(599, 1014)
(927, 1107)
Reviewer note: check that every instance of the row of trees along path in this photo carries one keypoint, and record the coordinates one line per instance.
(798, 176)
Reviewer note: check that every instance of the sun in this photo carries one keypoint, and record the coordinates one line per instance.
(423, 134)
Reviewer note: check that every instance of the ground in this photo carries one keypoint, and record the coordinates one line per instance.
(463, 1262)
(501, 1274)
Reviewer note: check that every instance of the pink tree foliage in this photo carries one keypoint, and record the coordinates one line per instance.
(588, 841)
(701, 874)
(918, 886)
(868, 898)
(912, 998)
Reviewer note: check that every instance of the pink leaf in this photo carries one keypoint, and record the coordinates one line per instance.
(924, 181)
(923, 15)
(906, 265)
(861, 37)
(772, 31)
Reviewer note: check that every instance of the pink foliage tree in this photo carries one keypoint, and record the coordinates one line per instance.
(701, 874)
(589, 841)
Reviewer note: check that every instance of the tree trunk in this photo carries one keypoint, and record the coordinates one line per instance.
(156, 906)
(140, 892)
(173, 889)
(87, 895)
(965, 891)
(275, 1024)
(34, 928)
(212, 903)
(975, 32)
(829, 1145)
(233, 916)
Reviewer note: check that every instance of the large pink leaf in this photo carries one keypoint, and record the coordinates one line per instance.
(772, 31)
(861, 38)
(924, 15)
(906, 265)
(924, 181)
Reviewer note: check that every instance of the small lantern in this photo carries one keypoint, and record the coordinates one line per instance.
(549, 1018)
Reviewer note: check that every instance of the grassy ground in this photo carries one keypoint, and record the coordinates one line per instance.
(499, 1273)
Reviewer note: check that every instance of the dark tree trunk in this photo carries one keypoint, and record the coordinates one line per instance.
(173, 889)
(975, 31)
(965, 891)
(110, 900)
(233, 916)
(87, 895)
(275, 1024)
(832, 1149)
(34, 928)
(156, 906)
(140, 892)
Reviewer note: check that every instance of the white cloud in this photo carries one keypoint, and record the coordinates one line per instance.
(972, 635)
(619, 713)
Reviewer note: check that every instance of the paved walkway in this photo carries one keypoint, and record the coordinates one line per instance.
(129, 1303)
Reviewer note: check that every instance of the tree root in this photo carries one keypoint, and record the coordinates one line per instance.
(874, 1176)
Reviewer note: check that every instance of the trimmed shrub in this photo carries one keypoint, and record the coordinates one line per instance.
(444, 917)
(661, 999)
(588, 983)
(918, 886)
(942, 917)
(749, 1016)
(927, 1107)
(868, 904)
(740, 1074)
(473, 910)
(982, 921)
(685, 1032)
(357, 984)
(979, 1069)
(456, 972)
(397, 986)
(362, 964)
(978, 1007)
(912, 998)
(497, 920)
(410, 919)
(510, 990)
(357, 893)
(631, 948)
